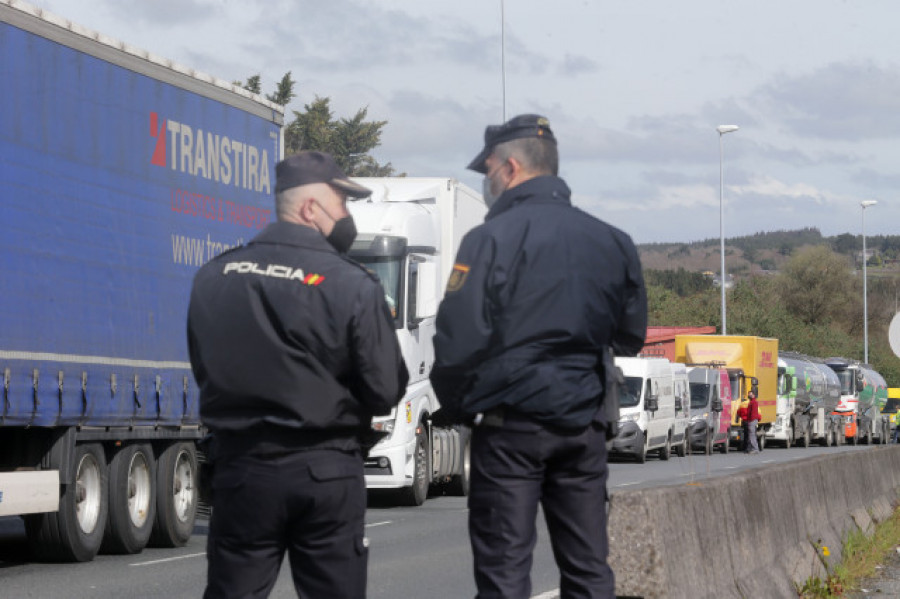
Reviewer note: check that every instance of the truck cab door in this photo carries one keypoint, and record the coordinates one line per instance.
(421, 309)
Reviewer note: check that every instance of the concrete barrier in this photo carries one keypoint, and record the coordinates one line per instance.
(750, 534)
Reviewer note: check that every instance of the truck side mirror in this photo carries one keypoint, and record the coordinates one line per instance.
(717, 405)
(426, 291)
(788, 383)
(677, 404)
(651, 403)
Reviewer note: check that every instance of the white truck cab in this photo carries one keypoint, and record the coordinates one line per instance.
(646, 410)
(409, 231)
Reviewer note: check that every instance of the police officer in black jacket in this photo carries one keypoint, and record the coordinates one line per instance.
(539, 292)
(294, 351)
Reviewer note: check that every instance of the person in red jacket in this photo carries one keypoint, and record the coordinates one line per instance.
(752, 420)
(743, 414)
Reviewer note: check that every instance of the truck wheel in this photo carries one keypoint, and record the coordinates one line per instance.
(641, 456)
(725, 448)
(176, 495)
(804, 440)
(132, 500)
(838, 436)
(418, 491)
(665, 451)
(459, 483)
(761, 441)
(789, 436)
(75, 532)
(682, 448)
(708, 446)
(869, 437)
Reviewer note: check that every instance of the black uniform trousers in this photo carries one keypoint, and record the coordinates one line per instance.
(309, 503)
(514, 468)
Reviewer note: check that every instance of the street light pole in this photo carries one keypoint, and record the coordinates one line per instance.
(722, 129)
(865, 204)
(503, 55)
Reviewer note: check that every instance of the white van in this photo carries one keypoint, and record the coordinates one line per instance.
(646, 409)
(682, 424)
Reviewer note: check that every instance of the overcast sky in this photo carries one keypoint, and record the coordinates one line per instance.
(634, 90)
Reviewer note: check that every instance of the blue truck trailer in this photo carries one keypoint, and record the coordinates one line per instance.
(120, 174)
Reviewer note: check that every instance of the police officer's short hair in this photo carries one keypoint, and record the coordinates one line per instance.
(533, 153)
(285, 200)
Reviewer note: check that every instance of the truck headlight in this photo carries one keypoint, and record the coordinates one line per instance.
(629, 418)
(384, 426)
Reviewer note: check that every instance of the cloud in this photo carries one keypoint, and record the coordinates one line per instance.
(851, 101)
(167, 12)
(876, 180)
(762, 186)
(573, 65)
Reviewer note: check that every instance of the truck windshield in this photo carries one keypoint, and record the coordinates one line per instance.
(388, 270)
(699, 395)
(846, 377)
(632, 392)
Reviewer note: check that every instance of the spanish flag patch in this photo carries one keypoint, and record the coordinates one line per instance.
(457, 277)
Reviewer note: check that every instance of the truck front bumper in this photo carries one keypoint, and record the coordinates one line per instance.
(386, 466)
(630, 440)
(697, 434)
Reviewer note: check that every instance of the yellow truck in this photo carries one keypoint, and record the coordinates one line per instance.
(892, 407)
(752, 363)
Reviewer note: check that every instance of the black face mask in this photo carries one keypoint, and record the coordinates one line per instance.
(343, 234)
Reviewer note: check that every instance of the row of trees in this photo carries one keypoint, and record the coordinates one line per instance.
(761, 247)
(814, 306)
(350, 141)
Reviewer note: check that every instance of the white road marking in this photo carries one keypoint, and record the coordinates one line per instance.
(373, 524)
(628, 484)
(168, 559)
(548, 595)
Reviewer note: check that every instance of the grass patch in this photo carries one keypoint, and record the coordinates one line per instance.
(860, 555)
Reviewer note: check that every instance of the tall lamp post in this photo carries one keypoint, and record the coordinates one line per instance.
(722, 129)
(503, 55)
(865, 204)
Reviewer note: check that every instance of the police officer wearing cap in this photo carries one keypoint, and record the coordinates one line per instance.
(538, 294)
(294, 351)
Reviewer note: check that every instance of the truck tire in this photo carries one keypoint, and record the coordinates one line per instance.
(416, 493)
(682, 448)
(459, 483)
(708, 445)
(838, 436)
(804, 440)
(761, 441)
(75, 532)
(176, 495)
(132, 500)
(725, 448)
(789, 436)
(665, 452)
(641, 456)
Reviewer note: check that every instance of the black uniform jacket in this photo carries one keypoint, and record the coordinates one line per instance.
(537, 292)
(285, 331)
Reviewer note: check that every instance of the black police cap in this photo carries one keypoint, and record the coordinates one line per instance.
(307, 167)
(524, 125)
